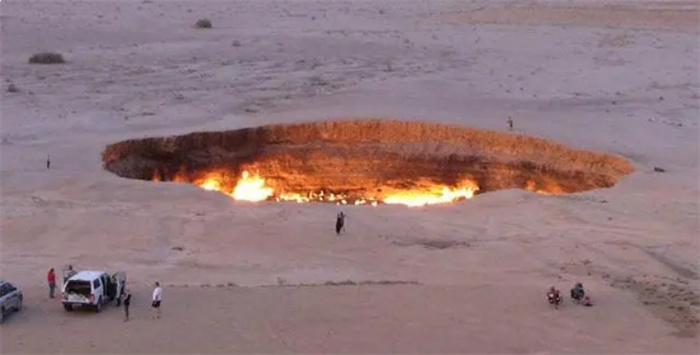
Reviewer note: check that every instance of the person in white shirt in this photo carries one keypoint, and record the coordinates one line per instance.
(157, 298)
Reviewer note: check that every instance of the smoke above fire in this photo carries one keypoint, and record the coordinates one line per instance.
(254, 188)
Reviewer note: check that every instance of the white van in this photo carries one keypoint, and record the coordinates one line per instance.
(93, 289)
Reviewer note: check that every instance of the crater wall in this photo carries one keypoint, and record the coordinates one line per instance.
(367, 158)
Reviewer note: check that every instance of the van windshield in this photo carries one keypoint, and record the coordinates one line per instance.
(79, 287)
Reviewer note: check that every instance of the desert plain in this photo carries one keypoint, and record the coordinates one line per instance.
(616, 77)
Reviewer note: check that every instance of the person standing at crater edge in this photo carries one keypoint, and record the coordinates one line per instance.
(339, 223)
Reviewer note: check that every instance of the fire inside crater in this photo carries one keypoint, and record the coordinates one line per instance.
(363, 162)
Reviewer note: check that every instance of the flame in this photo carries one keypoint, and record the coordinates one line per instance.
(210, 184)
(251, 188)
(435, 196)
(294, 197)
(248, 188)
(550, 188)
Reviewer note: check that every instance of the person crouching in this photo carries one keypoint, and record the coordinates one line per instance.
(578, 295)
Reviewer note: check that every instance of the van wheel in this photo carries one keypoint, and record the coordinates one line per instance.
(2, 315)
(98, 306)
(68, 307)
(19, 304)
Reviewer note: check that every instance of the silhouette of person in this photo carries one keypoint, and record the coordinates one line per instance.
(339, 223)
(51, 279)
(126, 299)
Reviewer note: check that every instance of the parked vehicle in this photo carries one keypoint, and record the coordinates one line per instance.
(10, 299)
(93, 289)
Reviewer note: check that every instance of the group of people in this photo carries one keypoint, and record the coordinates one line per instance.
(578, 295)
(125, 297)
(155, 304)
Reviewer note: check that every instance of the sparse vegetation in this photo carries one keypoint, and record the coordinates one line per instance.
(340, 283)
(46, 58)
(317, 80)
(350, 283)
(203, 23)
(12, 88)
(673, 300)
(435, 243)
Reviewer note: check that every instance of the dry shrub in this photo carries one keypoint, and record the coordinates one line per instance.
(203, 23)
(46, 58)
(434, 243)
(365, 283)
(340, 283)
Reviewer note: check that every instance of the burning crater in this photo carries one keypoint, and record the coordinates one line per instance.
(363, 162)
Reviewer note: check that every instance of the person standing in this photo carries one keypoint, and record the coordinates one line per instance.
(48, 161)
(67, 274)
(157, 298)
(339, 223)
(126, 300)
(51, 279)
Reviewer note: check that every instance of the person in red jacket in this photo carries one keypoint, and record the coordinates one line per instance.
(51, 278)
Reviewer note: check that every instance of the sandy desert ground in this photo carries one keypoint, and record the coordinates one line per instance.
(619, 77)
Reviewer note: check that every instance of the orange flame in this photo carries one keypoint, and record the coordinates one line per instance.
(251, 188)
(550, 188)
(254, 188)
(431, 197)
(210, 184)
